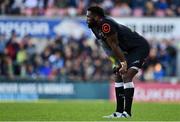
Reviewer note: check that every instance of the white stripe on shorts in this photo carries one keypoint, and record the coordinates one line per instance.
(134, 67)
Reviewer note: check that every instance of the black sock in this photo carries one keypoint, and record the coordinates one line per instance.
(129, 93)
(119, 99)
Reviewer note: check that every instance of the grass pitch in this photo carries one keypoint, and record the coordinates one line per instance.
(77, 110)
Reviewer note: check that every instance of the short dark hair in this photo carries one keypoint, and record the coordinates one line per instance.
(96, 10)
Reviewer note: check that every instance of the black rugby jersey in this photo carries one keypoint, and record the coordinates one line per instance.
(128, 40)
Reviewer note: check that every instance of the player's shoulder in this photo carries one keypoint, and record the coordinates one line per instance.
(107, 25)
(107, 20)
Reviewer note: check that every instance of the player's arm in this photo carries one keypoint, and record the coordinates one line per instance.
(112, 41)
(110, 34)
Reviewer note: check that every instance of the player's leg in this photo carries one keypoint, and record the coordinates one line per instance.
(124, 89)
(119, 91)
(129, 90)
(119, 85)
(135, 61)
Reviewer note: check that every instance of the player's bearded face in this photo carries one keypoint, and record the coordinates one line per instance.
(91, 23)
(90, 20)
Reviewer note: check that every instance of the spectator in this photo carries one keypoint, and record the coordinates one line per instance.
(149, 8)
(121, 9)
(77, 7)
(80, 59)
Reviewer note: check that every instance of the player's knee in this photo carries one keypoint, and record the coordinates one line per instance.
(126, 79)
(118, 78)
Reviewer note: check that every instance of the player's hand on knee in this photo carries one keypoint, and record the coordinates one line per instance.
(123, 68)
(116, 70)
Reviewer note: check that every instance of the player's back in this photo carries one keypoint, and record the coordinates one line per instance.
(127, 38)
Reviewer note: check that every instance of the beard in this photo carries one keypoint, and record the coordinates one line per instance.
(92, 24)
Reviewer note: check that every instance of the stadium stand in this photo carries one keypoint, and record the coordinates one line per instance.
(118, 8)
(80, 60)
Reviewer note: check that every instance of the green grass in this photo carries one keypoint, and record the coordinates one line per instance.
(77, 110)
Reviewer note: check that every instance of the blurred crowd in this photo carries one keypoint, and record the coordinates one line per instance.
(161, 61)
(69, 59)
(60, 8)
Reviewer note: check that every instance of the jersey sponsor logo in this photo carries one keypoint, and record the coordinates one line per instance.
(106, 28)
